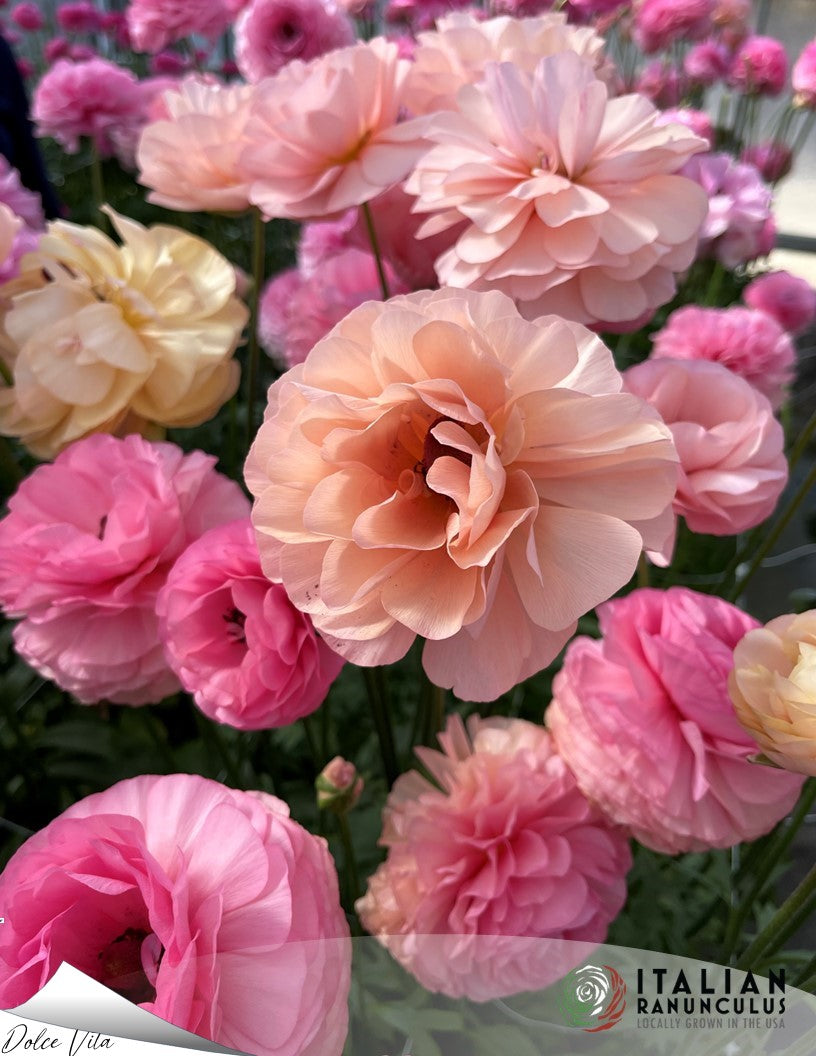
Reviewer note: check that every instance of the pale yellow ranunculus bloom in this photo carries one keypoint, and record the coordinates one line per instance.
(99, 336)
(773, 687)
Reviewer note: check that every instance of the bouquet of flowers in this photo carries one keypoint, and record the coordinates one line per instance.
(457, 646)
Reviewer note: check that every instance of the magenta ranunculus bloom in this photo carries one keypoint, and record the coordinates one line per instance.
(644, 719)
(270, 33)
(27, 16)
(86, 547)
(739, 208)
(154, 24)
(732, 464)
(751, 343)
(789, 299)
(803, 77)
(235, 640)
(95, 98)
(79, 16)
(707, 62)
(498, 849)
(759, 67)
(207, 906)
(660, 23)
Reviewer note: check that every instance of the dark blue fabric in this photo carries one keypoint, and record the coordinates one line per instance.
(17, 141)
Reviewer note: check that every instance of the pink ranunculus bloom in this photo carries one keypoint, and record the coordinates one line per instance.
(325, 135)
(206, 906)
(803, 77)
(664, 83)
(26, 240)
(707, 63)
(732, 19)
(321, 241)
(750, 343)
(270, 33)
(56, 48)
(84, 550)
(27, 16)
(644, 720)
(739, 208)
(500, 847)
(660, 23)
(697, 121)
(773, 159)
(759, 67)
(594, 12)
(191, 160)
(439, 466)
(297, 311)
(23, 203)
(459, 49)
(153, 24)
(79, 16)
(94, 99)
(789, 299)
(25, 68)
(732, 464)
(572, 199)
(168, 63)
(249, 658)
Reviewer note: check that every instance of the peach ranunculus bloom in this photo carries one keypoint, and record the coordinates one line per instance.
(573, 199)
(458, 50)
(441, 467)
(101, 337)
(191, 160)
(773, 687)
(325, 134)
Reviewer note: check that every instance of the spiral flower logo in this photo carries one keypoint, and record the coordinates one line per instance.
(593, 997)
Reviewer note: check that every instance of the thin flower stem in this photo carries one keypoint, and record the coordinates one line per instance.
(253, 355)
(375, 246)
(807, 977)
(378, 699)
(352, 874)
(438, 702)
(793, 912)
(311, 740)
(97, 179)
(772, 536)
(780, 841)
(643, 571)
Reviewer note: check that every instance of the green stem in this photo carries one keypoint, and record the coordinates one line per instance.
(715, 283)
(311, 740)
(643, 571)
(777, 847)
(772, 536)
(438, 702)
(97, 179)
(352, 875)
(793, 912)
(375, 246)
(807, 977)
(211, 736)
(378, 699)
(253, 354)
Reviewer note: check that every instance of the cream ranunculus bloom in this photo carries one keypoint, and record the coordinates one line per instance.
(101, 337)
(773, 687)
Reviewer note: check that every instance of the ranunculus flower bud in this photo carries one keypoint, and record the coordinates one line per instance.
(788, 299)
(338, 786)
(772, 158)
(27, 16)
(803, 77)
(773, 687)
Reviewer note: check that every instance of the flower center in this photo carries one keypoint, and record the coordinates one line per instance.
(433, 449)
(129, 965)
(235, 621)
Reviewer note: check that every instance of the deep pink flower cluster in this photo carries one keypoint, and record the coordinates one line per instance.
(270, 33)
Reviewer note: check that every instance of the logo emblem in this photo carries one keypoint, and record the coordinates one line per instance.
(593, 997)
